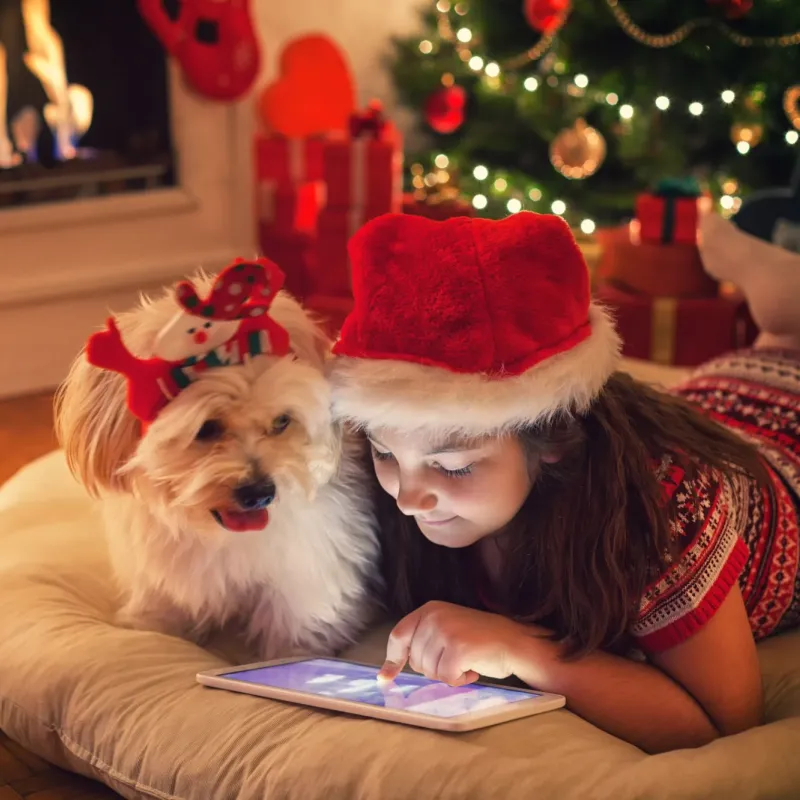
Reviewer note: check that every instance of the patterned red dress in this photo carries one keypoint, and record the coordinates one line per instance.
(732, 529)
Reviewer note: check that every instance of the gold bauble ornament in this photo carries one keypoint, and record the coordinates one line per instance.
(790, 105)
(578, 152)
(750, 132)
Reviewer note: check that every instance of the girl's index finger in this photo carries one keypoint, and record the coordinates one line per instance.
(399, 646)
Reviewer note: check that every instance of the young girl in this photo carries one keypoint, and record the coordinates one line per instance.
(544, 516)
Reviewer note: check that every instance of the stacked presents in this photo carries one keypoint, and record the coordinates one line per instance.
(668, 309)
(314, 192)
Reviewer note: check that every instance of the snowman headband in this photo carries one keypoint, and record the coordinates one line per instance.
(229, 326)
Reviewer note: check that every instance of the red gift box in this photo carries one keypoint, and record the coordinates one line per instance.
(678, 331)
(294, 253)
(665, 218)
(656, 270)
(446, 209)
(288, 160)
(364, 172)
(335, 227)
(288, 208)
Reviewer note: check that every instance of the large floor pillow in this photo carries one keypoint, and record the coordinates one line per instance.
(123, 707)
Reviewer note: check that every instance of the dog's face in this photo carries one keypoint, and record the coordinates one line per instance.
(223, 453)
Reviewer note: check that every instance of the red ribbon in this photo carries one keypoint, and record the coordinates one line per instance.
(370, 122)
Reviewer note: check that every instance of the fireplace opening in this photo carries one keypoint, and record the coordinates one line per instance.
(84, 106)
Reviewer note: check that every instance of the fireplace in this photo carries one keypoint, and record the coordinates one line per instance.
(157, 185)
(86, 109)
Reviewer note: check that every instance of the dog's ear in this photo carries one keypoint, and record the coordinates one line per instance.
(94, 426)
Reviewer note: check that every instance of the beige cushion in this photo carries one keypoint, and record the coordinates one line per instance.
(123, 706)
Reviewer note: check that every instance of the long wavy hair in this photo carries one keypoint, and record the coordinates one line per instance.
(594, 530)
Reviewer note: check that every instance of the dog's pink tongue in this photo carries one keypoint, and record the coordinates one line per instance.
(238, 521)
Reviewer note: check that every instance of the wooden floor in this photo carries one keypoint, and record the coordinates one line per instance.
(26, 432)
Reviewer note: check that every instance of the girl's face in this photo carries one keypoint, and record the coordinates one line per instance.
(458, 491)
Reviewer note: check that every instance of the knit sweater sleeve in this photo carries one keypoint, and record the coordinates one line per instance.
(706, 519)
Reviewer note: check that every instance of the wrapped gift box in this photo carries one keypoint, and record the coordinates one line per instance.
(678, 331)
(290, 208)
(294, 253)
(335, 227)
(671, 213)
(656, 270)
(288, 160)
(445, 209)
(364, 171)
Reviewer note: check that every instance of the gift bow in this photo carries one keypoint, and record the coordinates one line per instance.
(370, 122)
(677, 187)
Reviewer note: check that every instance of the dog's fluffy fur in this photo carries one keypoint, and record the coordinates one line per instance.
(303, 583)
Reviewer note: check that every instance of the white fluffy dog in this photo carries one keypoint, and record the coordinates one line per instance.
(183, 502)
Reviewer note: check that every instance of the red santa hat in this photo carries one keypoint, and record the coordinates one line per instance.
(469, 325)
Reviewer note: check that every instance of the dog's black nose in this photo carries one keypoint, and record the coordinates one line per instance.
(256, 495)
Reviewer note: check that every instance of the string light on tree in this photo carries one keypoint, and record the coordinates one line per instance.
(743, 148)
(480, 172)
(588, 226)
(480, 201)
(492, 69)
(535, 194)
(626, 111)
(558, 207)
(730, 186)
(728, 96)
(662, 102)
(747, 133)
(612, 98)
(531, 84)
(695, 108)
(426, 47)
(792, 137)
(501, 184)
(476, 63)
(464, 35)
(514, 205)
(443, 6)
(441, 161)
(726, 201)
(581, 81)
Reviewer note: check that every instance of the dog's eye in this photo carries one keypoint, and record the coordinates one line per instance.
(211, 429)
(207, 325)
(280, 424)
(191, 330)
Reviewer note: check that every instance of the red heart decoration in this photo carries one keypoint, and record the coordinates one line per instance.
(314, 92)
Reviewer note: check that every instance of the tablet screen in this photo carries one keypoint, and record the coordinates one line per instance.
(346, 681)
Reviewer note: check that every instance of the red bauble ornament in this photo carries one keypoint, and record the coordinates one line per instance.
(733, 9)
(444, 109)
(546, 16)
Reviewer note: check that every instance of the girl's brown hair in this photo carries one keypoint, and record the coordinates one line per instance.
(594, 530)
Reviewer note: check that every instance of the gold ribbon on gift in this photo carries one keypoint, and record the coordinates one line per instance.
(663, 330)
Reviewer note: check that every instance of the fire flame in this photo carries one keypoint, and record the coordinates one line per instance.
(69, 112)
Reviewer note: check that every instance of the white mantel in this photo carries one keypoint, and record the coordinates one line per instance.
(64, 266)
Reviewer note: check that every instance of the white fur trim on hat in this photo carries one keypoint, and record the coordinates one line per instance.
(390, 393)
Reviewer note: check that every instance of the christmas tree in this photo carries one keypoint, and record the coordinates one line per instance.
(577, 107)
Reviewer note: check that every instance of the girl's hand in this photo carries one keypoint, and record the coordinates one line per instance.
(455, 645)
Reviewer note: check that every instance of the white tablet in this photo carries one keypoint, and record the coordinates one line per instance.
(353, 688)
